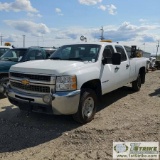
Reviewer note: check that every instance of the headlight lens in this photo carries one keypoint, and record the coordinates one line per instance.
(66, 83)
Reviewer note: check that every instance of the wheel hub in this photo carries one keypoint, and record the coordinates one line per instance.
(88, 107)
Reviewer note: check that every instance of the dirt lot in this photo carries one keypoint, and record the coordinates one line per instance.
(123, 115)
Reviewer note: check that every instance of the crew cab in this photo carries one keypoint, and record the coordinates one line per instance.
(74, 78)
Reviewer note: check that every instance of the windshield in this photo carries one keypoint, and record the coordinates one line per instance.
(79, 52)
(3, 50)
(35, 54)
(15, 55)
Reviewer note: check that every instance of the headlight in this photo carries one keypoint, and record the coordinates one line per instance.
(66, 83)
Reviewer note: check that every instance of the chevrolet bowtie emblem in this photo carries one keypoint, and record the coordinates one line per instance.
(25, 82)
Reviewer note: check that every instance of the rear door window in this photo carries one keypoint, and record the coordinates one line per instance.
(107, 53)
(123, 54)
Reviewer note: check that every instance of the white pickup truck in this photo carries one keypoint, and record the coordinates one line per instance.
(74, 78)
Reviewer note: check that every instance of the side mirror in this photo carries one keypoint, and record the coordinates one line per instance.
(116, 58)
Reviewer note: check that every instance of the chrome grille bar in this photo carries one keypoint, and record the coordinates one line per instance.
(33, 88)
(31, 76)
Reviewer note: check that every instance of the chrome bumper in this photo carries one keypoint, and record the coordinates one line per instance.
(62, 102)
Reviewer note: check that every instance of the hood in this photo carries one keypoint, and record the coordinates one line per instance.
(54, 67)
(5, 65)
(51, 67)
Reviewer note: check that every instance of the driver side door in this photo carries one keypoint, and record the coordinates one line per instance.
(108, 74)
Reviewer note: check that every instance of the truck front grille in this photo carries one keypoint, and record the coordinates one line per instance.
(32, 88)
(31, 77)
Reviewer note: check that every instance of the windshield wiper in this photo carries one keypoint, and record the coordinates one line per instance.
(9, 59)
(75, 59)
(6, 59)
(55, 58)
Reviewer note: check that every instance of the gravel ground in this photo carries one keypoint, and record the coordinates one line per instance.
(123, 115)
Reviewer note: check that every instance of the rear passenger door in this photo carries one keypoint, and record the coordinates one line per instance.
(123, 70)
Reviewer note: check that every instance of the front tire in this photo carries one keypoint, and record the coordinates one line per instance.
(87, 106)
(4, 81)
(136, 85)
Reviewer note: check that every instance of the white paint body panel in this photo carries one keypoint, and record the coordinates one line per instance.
(86, 71)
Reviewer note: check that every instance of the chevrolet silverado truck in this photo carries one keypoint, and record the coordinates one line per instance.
(73, 79)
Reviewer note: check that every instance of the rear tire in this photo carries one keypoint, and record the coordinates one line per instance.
(136, 85)
(87, 106)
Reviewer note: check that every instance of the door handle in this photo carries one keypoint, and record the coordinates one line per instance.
(127, 66)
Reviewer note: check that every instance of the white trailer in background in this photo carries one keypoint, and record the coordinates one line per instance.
(146, 54)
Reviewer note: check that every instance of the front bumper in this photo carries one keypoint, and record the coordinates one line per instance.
(62, 102)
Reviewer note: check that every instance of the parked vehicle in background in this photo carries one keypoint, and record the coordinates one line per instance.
(74, 78)
(154, 64)
(18, 55)
(3, 49)
(49, 50)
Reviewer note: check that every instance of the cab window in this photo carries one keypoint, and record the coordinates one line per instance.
(107, 53)
(123, 54)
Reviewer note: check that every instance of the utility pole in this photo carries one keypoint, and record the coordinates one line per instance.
(1, 40)
(23, 41)
(144, 46)
(102, 32)
(157, 49)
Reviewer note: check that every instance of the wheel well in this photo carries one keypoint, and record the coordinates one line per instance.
(142, 72)
(94, 85)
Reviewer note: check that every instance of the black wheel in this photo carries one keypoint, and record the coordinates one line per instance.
(87, 106)
(136, 85)
(4, 81)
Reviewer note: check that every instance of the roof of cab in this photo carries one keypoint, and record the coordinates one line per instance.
(98, 43)
(5, 47)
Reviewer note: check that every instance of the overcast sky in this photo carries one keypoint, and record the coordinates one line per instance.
(57, 22)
